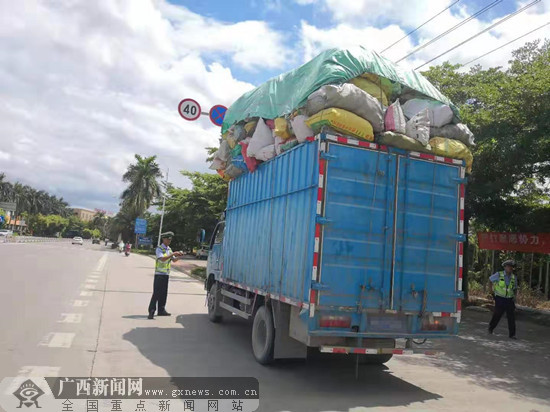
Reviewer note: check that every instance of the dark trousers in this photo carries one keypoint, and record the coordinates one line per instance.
(160, 293)
(504, 305)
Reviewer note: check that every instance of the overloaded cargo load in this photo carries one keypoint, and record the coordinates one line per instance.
(355, 93)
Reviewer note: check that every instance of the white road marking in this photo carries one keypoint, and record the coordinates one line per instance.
(39, 371)
(91, 280)
(101, 263)
(80, 303)
(70, 318)
(86, 293)
(58, 340)
(88, 286)
(93, 276)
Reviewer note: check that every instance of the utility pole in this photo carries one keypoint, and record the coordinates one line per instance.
(163, 204)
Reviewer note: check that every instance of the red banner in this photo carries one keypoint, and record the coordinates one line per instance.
(521, 242)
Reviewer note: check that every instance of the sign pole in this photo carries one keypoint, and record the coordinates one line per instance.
(539, 285)
(163, 204)
(547, 278)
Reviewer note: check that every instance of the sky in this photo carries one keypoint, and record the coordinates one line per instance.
(85, 85)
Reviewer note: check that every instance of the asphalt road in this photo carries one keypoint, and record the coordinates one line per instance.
(81, 311)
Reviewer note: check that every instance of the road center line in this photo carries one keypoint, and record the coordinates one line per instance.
(80, 303)
(70, 318)
(86, 293)
(58, 340)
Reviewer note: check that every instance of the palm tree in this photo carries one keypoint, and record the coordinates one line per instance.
(143, 186)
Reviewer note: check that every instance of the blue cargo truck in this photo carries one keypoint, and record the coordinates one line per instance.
(342, 245)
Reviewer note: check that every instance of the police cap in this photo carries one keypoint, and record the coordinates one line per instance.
(167, 235)
(509, 262)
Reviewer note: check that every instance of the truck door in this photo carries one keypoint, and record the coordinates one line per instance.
(215, 255)
(357, 236)
(426, 236)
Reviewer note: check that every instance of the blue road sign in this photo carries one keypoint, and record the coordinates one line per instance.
(145, 241)
(141, 226)
(217, 113)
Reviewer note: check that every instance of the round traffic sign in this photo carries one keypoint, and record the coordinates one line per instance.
(217, 113)
(189, 109)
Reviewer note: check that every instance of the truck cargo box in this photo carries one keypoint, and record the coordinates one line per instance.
(363, 240)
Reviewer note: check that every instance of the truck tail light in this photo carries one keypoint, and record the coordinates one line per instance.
(437, 324)
(329, 321)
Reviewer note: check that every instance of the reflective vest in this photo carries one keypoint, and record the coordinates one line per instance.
(163, 267)
(500, 286)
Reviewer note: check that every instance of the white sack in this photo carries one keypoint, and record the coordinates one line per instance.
(440, 114)
(261, 138)
(266, 153)
(419, 127)
(301, 130)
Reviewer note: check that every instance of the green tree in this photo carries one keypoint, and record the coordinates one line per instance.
(188, 210)
(3, 217)
(143, 185)
(508, 110)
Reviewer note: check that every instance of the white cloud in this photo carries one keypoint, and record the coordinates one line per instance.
(314, 39)
(85, 85)
(357, 23)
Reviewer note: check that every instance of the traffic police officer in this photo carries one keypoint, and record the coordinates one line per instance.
(505, 286)
(165, 257)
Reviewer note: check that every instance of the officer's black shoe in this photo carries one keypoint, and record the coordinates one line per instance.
(164, 313)
(490, 331)
(513, 337)
(151, 315)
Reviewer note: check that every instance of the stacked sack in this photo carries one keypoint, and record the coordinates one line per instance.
(359, 109)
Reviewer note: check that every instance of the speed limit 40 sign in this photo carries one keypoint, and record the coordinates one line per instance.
(189, 109)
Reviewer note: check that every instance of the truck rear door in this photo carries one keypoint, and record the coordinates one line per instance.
(357, 238)
(389, 238)
(426, 234)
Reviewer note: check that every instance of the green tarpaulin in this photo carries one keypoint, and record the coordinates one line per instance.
(285, 93)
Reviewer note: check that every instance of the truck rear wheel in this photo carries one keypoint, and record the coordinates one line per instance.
(263, 335)
(213, 297)
(374, 359)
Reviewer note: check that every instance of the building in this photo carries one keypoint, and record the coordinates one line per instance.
(83, 214)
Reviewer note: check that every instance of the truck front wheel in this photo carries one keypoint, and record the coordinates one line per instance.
(214, 311)
(374, 359)
(263, 335)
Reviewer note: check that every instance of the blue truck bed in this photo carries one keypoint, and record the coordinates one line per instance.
(364, 240)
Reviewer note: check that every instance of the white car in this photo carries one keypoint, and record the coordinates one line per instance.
(202, 252)
(6, 232)
(77, 240)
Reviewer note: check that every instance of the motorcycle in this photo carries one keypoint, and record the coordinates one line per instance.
(127, 250)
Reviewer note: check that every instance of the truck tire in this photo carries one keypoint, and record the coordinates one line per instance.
(263, 335)
(213, 297)
(374, 359)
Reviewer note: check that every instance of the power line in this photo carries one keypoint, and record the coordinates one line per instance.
(456, 26)
(481, 32)
(423, 24)
(506, 44)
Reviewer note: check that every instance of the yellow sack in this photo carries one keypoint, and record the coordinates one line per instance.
(371, 88)
(281, 128)
(454, 149)
(384, 83)
(342, 121)
(231, 141)
(250, 127)
(402, 142)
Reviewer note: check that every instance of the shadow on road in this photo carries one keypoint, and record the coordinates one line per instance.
(200, 348)
(519, 367)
